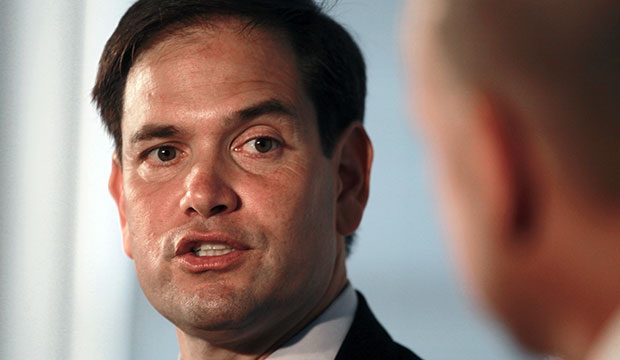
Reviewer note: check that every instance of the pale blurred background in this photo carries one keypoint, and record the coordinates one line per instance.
(68, 291)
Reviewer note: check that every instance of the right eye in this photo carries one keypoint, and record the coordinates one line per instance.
(161, 162)
(163, 154)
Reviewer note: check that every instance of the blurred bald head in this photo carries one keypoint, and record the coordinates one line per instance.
(519, 101)
(560, 59)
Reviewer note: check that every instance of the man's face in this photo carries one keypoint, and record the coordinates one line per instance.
(437, 118)
(228, 205)
(470, 169)
(450, 118)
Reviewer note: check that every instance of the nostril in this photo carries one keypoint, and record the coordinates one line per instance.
(218, 209)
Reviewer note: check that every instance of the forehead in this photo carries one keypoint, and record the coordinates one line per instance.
(228, 35)
(215, 68)
(224, 44)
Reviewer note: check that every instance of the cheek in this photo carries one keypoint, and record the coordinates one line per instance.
(156, 200)
(149, 211)
(465, 243)
(147, 227)
(457, 199)
(296, 207)
(295, 191)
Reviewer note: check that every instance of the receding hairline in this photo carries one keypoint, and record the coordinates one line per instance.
(186, 31)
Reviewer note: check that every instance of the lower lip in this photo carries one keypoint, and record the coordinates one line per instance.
(197, 264)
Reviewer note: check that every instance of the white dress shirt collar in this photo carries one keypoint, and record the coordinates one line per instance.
(322, 338)
(607, 346)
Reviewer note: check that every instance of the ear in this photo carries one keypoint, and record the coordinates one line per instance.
(353, 158)
(115, 186)
(503, 172)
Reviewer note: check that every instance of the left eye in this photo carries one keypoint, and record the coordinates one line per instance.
(260, 147)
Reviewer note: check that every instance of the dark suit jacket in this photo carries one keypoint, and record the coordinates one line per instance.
(367, 339)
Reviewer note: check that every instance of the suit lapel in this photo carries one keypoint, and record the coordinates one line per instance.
(367, 339)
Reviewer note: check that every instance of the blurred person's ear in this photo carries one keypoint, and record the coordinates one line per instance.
(115, 186)
(503, 171)
(353, 157)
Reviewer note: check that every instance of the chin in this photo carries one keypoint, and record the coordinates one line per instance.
(195, 312)
(200, 320)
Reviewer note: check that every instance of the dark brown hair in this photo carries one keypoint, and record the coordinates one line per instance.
(331, 64)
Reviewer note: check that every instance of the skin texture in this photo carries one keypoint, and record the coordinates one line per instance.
(288, 208)
(532, 244)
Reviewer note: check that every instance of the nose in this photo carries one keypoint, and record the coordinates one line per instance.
(207, 193)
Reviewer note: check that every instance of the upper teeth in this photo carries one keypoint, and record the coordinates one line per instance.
(207, 249)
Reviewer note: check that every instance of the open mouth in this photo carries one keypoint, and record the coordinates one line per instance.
(212, 249)
(199, 252)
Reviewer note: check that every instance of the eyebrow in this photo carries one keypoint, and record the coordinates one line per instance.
(271, 106)
(154, 131)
